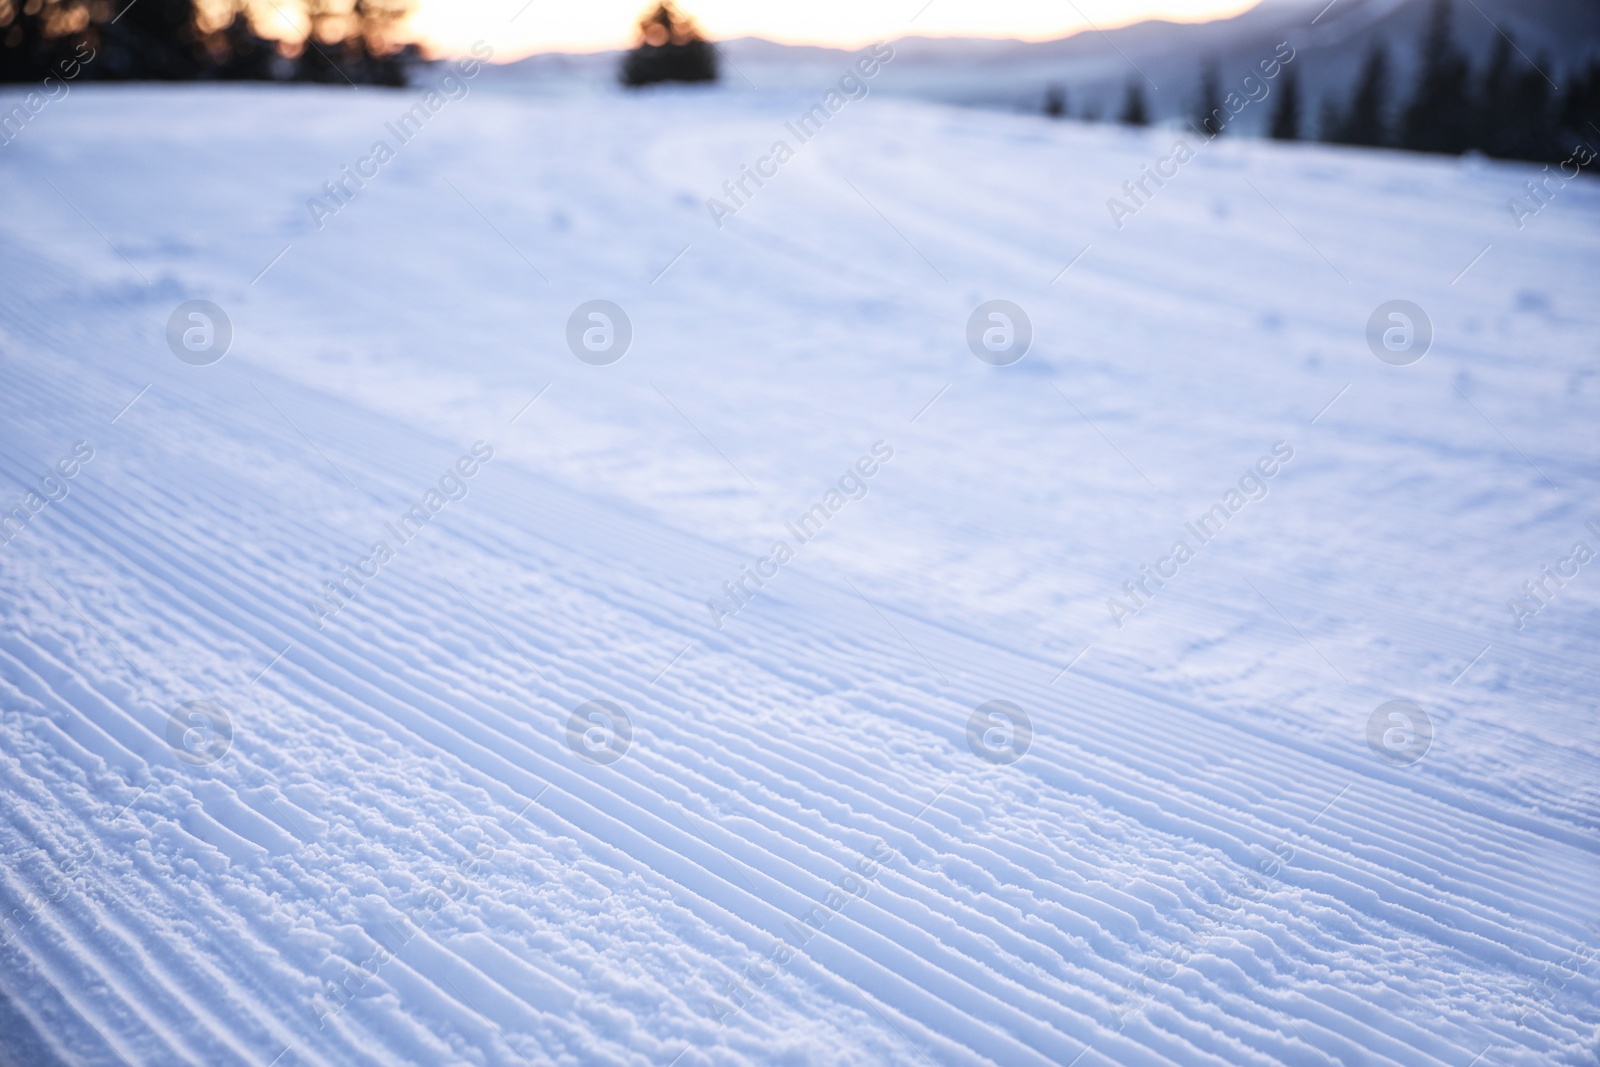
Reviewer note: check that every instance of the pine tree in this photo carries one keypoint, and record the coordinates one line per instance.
(1362, 123)
(1209, 114)
(1530, 128)
(670, 49)
(245, 54)
(1493, 130)
(1055, 102)
(1330, 121)
(166, 40)
(1580, 107)
(1516, 114)
(336, 54)
(26, 53)
(1134, 111)
(153, 40)
(1438, 118)
(383, 56)
(1285, 124)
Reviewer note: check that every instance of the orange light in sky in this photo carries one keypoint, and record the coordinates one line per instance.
(517, 28)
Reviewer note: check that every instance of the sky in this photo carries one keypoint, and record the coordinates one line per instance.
(516, 28)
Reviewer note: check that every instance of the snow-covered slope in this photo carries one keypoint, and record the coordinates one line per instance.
(791, 841)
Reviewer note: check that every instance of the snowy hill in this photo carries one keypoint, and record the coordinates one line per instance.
(1329, 42)
(580, 768)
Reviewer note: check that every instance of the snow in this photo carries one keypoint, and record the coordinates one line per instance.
(408, 854)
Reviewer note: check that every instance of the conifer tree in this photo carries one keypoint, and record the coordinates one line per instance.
(1134, 111)
(1330, 121)
(1285, 123)
(1492, 133)
(670, 49)
(179, 40)
(1579, 118)
(244, 54)
(1209, 115)
(1363, 122)
(1516, 114)
(1438, 117)
(26, 53)
(351, 44)
(1530, 125)
(153, 40)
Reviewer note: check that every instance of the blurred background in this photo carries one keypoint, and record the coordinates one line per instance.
(1508, 78)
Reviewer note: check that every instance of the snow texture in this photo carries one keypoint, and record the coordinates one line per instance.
(410, 852)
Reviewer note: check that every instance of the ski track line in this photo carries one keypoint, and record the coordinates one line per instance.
(993, 935)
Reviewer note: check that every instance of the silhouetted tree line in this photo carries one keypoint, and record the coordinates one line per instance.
(1511, 111)
(670, 49)
(350, 41)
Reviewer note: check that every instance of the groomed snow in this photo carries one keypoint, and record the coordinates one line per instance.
(1199, 859)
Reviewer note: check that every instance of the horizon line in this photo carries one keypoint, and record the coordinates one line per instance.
(850, 44)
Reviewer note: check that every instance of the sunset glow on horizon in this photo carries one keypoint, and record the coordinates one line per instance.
(516, 28)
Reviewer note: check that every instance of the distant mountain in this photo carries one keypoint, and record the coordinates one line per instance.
(1095, 67)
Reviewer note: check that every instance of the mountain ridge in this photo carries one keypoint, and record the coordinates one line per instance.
(1094, 67)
